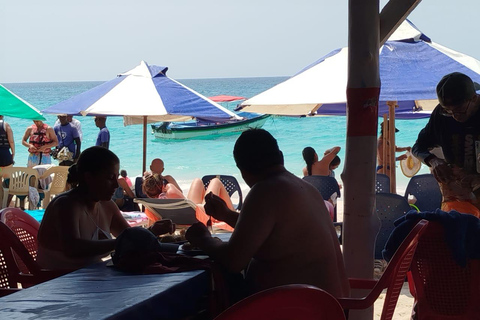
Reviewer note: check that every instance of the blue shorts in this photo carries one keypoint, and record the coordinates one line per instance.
(34, 159)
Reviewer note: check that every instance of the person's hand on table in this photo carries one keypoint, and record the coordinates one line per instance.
(216, 207)
(197, 233)
(162, 227)
(441, 170)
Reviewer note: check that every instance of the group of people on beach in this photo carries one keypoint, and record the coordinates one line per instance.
(62, 141)
(283, 234)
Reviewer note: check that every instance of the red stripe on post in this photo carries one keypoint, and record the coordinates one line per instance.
(362, 111)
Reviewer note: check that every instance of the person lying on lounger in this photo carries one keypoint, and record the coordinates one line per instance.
(284, 233)
(77, 227)
(156, 186)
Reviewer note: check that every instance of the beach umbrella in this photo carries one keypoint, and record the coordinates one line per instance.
(143, 95)
(13, 106)
(410, 64)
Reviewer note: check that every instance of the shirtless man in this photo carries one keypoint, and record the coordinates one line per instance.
(284, 234)
(157, 166)
(317, 167)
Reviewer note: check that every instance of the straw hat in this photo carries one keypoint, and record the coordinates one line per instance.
(410, 166)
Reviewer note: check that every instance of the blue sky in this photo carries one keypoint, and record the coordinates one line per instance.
(54, 40)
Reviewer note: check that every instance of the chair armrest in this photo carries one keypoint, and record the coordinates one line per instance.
(358, 283)
(362, 302)
(354, 303)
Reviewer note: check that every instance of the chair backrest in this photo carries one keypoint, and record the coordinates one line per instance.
(425, 188)
(231, 185)
(327, 186)
(59, 181)
(444, 289)
(180, 211)
(389, 207)
(25, 228)
(295, 301)
(138, 188)
(393, 277)
(382, 183)
(11, 250)
(20, 179)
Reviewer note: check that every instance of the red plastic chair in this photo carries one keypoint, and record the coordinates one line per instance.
(24, 226)
(295, 301)
(443, 289)
(12, 251)
(392, 279)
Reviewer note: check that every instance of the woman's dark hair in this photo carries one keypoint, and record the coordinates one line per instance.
(335, 161)
(123, 173)
(309, 157)
(94, 159)
(256, 150)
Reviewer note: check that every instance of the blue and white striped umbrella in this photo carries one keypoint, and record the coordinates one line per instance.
(411, 65)
(144, 91)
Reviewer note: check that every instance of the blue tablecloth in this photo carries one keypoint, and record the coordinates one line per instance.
(101, 292)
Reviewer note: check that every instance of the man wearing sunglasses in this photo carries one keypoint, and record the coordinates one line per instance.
(454, 126)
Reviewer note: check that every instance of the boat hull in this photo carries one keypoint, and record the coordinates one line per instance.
(195, 130)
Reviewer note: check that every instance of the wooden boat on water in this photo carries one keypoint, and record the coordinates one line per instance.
(198, 128)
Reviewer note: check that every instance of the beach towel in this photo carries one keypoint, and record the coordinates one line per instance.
(462, 233)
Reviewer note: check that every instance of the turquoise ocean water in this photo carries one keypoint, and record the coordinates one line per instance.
(187, 159)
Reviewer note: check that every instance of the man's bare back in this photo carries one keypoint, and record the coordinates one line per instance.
(295, 240)
(284, 234)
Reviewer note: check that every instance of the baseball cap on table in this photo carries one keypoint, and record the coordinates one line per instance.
(455, 88)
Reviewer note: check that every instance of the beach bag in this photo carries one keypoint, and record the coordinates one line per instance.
(63, 154)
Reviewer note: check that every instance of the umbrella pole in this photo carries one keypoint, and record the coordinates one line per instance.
(392, 146)
(385, 146)
(144, 167)
(363, 89)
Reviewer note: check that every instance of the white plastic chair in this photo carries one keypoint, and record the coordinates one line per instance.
(21, 178)
(58, 184)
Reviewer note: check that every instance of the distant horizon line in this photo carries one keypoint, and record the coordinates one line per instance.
(178, 79)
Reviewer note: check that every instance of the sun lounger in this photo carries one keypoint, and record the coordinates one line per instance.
(180, 211)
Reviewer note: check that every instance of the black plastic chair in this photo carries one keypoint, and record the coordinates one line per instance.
(425, 188)
(389, 207)
(382, 183)
(327, 186)
(231, 185)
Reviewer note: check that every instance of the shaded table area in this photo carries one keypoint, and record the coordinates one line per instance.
(101, 292)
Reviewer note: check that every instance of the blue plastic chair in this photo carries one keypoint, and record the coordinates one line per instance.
(382, 183)
(389, 207)
(231, 185)
(327, 186)
(138, 188)
(425, 188)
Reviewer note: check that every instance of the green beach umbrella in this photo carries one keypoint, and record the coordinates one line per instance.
(13, 106)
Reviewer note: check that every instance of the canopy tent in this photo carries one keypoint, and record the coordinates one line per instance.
(224, 98)
(143, 95)
(13, 106)
(410, 67)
